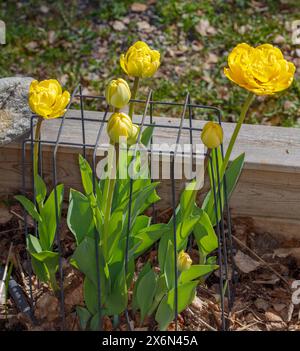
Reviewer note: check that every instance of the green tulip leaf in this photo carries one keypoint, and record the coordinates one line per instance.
(205, 235)
(41, 191)
(166, 311)
(48, 225)
(84, 317)
(80, 216)
(86, 175)
(195, 272)
(169, 268)
(146, 292)
(29, 207)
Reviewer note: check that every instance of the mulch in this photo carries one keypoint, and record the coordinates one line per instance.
(262, 296)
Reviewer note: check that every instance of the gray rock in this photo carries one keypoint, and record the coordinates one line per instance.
(15, 114)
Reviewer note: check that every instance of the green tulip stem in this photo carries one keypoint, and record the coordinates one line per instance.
(116, 320)
(133, 95)
(108, 196)
(53, 283)
(36, 147)
(237, 128)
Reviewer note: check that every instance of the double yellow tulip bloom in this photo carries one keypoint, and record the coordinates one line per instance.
(47, 100)
(261, 70)
(140, 61)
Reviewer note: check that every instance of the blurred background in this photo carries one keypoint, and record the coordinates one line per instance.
(81, 41)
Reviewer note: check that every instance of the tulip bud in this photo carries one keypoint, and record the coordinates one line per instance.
(212, 135)
(117, 93)
(134, 135)
(184, 261)
(119, 125)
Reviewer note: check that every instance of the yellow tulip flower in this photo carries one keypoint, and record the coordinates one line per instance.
(140, 61)
(184, 261)
(212, 135)
(46, 98)
(261, 70)
(119, 125)
(117, 93)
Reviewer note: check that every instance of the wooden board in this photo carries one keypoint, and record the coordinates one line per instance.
(268, 190)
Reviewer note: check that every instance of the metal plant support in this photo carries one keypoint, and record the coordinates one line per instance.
(225, 252)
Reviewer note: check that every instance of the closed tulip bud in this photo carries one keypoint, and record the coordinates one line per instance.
(119, 125)
(117, 93)
(184, 261)
(47, 99)
(140, 61)
(212, 135)
(134, 135)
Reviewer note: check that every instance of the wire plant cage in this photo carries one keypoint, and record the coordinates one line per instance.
(225, 250)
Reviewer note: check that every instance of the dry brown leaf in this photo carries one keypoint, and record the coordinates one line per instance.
(272, 317)
(32, 45)
(74, 297)
(5, 215)
(138, 7)
(285, 252)
(197, 47)
(212, 58)
(278, 307)
(47, 307)
(118, 26)
(261, 304)
(279, 39)
(51, 36)
(44, 9)
(204, 28)
(245, 263)
(144, 26)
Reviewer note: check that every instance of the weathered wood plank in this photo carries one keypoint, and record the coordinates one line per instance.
(268, 190)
